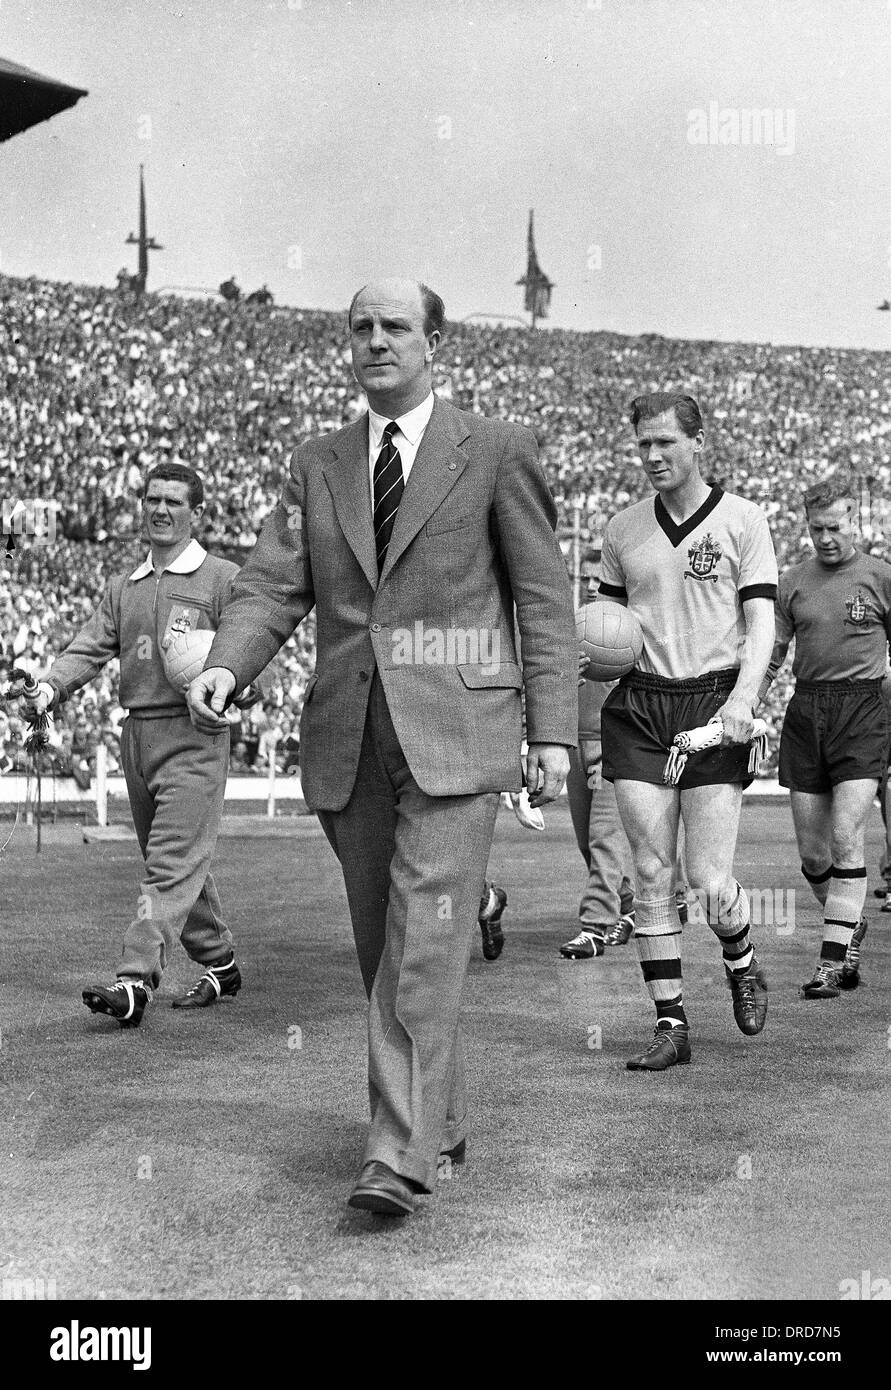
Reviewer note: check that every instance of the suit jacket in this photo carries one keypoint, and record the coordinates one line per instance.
(474, 536)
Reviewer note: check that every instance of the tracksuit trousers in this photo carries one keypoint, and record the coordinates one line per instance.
(176, 781)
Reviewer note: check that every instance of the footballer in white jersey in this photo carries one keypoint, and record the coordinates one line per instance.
(697, 567)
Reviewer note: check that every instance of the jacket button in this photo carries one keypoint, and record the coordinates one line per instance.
(375, 627)
(452, 467)
(363, 675)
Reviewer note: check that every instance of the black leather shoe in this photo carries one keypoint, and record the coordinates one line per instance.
(456, 1155)
(380, 1189)
(216, 982)
(490, 926)
(670, 1047)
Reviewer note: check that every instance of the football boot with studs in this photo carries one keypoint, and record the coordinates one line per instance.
(748, 990)
(217, 982)
(670, 1047)
(622, 931)
(849, 975)
(585, 946)
(824, 984)
(125, 1000)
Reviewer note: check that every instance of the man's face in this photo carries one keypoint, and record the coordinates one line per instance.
(167, 516)
(388, 343)
(832, 531)
(670, 457)
(590, 577)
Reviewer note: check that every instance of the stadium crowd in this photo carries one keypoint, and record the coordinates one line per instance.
(96, 388)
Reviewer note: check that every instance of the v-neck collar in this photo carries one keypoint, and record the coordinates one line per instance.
(676, 533)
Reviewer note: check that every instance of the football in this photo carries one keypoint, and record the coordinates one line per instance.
(611, 638)
(185, 657)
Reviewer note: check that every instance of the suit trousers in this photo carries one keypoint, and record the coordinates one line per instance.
(601, 839)
(176, 782)
(414, 867)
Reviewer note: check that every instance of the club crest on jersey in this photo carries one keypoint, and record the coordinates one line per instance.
(182, 619)
(857, 608)
(703, 557)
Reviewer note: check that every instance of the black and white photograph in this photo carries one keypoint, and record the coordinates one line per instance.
(445, 696)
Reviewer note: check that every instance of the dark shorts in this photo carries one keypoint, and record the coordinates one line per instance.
(834, 731)
(641, 716)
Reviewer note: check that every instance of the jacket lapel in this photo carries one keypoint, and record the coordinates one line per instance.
(348, 484)
(438, 465)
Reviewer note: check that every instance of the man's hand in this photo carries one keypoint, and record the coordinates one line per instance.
(736, 712)
(583, 666)
(547, 765)
(43, 699)
(36, 701)
(206, 698)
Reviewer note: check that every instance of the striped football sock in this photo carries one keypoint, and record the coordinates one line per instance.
(658, 935)
(819, 883)
(844, 904)
(728, 917)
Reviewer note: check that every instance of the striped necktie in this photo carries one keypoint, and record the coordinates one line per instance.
(389, 486)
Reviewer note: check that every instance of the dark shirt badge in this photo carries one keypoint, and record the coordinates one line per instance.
(857, 609)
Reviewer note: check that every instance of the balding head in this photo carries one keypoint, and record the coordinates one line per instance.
(404, 291)
(392, 345)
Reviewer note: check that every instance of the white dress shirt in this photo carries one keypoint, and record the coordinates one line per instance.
(407, 436)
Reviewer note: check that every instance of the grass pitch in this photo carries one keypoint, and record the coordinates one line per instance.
(210, 1154)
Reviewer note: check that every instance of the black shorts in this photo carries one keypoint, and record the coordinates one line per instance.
(834, 731)
(641, 716)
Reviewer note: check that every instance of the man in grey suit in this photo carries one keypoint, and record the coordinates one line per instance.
(415, 532)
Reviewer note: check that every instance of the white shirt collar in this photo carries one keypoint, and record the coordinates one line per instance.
(185, 563)
(412, 424)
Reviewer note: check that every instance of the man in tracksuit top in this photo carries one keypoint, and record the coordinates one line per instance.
(176, 776)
